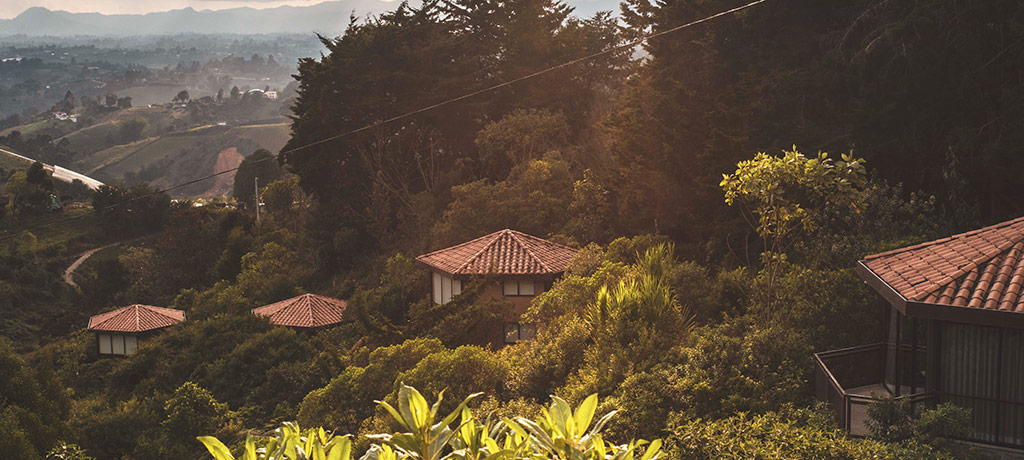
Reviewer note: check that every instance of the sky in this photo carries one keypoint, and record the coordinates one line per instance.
(12, 8)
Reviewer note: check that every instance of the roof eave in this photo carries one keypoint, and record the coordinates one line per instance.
(879, 285)
(939, 312)
(966, 315)
(433, 267)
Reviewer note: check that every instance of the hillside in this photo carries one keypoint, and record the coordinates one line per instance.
(329, 18)
(171, 159)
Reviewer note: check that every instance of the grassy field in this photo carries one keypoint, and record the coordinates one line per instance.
(50, 126)
(180, 157)
(98, 136)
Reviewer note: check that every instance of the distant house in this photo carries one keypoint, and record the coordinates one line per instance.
(119, 332)
(522, 267)
(62, 116)
(272, 95)
(307, 311)
(955, 334)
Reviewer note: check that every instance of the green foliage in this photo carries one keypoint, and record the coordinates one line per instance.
(384, 309)
(192, 411)
(533, 200)
(33, 409)
(781, 435)
(348, 399)
(130, 211)
(735, 367)
(537, 366)
(425, 439)
(63, 451)
(289, 442)
(25, 196)
(783, 197)
(647, 299)
(261, 166)
(130, 130)
(459, 372)
(560, 432)
(895, 420)
(520, 137)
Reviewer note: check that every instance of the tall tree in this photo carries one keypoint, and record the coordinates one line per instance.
(261, 166)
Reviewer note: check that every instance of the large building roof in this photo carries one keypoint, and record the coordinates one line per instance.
(136, 318)
(505, 252)
(980, 269)
(307, 310)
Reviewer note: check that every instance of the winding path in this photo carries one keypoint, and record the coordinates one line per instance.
(81, 258)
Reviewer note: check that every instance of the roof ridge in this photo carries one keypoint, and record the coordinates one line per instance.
(464, 243)
(497, 236)
(138, 326)
(528, 250)
(118, 312)
(309, 306)
(947, 239)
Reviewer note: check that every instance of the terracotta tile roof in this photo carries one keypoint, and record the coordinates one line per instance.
(136, 318)
(979, 269)
(307, 310)
(505, 252)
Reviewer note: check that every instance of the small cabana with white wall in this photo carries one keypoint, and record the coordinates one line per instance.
(118, 332)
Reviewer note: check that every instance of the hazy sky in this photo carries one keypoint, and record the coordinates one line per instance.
(11, 8)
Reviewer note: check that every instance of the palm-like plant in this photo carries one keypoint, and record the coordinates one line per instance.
(559, 434)
(564, 434)
(647, 297)
(425, 439)
(289, 443)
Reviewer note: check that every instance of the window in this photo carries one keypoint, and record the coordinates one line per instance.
(131, 344)
(445, 288)
(118, 344)
(518, 332)
(104, 344)
(518, 287)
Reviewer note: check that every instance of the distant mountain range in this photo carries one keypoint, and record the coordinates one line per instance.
(330, 18)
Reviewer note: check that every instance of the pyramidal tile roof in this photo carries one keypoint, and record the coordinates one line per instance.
(136, 318)
(505, 252)
(982, 269)
(306, 310)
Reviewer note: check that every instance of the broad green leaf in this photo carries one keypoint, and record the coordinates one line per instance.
(585, 413)
(217, 449)
(341, 450)
(250, 448)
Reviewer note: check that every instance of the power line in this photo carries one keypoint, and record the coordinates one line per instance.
(624, 46)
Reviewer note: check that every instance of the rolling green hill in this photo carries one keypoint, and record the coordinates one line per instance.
(175, 158)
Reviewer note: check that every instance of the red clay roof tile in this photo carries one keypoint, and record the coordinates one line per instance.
(983, 268)
(136, 318)
(307, 310)
(505, 252)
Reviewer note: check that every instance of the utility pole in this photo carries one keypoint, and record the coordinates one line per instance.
(256, 183)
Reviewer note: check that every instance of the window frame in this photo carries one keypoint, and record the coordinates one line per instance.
(438, 284)
(518, 332)
(519, 287)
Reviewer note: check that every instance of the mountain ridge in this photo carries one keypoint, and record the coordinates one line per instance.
(329, 18)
